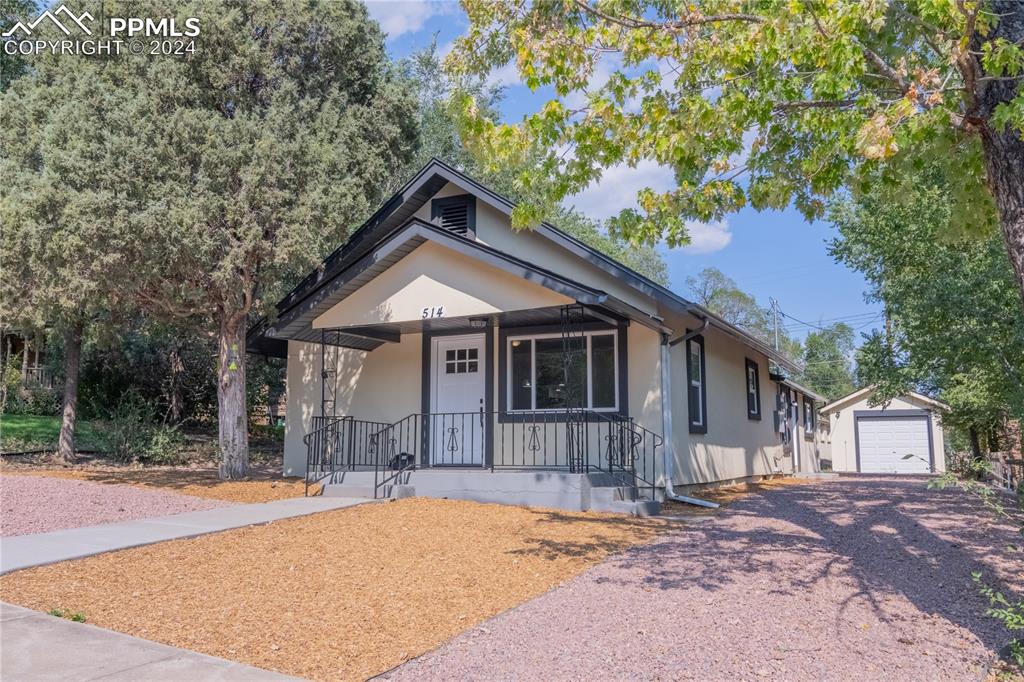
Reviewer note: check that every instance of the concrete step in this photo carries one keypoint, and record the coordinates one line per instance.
(642, 507)
(607, 494)
(348, 490)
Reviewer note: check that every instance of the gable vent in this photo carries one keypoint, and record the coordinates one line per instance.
(455, 214)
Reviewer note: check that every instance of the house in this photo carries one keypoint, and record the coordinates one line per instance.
(441, 352)
(902, 437)
(806, 438)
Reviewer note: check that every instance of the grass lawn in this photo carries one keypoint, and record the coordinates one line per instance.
(342, 595)
(30, 431)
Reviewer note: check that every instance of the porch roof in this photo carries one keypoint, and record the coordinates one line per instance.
(297, 322)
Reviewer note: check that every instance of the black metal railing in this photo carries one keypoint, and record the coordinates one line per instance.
(587, 442)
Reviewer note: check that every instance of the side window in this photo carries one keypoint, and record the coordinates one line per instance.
(808, 417)
(696, 385)
(753, 390)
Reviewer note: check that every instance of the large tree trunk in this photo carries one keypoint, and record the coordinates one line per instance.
(72, 362)
(233, 418)
(1004, 149)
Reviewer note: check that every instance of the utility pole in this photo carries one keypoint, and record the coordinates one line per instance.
(775, 315)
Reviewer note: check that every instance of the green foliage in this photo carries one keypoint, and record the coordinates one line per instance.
(827, 364)
(132, 434)
(720, 294)
(21, 399)
(12, 66)
(1006, 610)
(440, 138)
(956, 328)
(76, 616)
(760, 104)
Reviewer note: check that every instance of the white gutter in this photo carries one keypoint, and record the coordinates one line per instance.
(666, 417)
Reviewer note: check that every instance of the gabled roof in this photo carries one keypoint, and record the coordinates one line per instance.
(296, 322)
(397, 210)
(867, 390)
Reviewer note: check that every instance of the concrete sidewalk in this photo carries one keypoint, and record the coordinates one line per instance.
(35, 646)
(24, 551)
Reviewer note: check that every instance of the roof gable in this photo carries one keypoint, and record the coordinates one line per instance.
(862, 393)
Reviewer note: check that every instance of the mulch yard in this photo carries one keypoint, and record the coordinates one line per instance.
(264, 485)
(339, 595)
(39, 504)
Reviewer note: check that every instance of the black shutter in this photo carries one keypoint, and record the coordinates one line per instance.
(455, 214)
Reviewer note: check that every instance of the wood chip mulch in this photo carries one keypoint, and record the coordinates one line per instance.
(261, 486)
(346, 594)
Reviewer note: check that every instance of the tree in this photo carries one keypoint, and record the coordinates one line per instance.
(955, 328)
(13, 65)
(440, 137)
(275, 137)
(827, 360)
(755, 103)
(237, 166)
(65, 205)
(720, 294)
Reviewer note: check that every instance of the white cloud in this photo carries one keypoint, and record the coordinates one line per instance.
(617, 188)
(504, 76)
(398, 17)
(707, 237)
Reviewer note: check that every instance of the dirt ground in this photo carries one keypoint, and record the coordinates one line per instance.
(725, 495)
(264, 485)
(847, 579)
(339, 595)
(40, 504)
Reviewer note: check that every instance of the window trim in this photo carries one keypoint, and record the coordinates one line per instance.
(588, 335)
(506, 414)
(754, 414)
(702, 426)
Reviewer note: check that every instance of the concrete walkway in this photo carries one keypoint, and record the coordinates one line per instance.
(24, 551)
(35, 646)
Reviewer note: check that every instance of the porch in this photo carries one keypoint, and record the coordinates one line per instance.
(523, 407)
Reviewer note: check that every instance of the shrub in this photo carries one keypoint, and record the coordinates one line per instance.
(133, 435)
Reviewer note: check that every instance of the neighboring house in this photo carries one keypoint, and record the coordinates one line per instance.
(878, 439)
(441, 351)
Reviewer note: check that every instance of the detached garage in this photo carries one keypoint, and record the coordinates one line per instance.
(877, 440)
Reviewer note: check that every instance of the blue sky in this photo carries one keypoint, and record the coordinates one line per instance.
(769, 254)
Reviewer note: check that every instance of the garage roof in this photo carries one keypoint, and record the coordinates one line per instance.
(864, 392)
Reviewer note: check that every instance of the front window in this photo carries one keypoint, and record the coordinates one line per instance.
(539, 366)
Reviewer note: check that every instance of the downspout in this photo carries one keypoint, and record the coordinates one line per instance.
(666, 416)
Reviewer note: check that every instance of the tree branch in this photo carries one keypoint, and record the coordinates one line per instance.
(694, 20)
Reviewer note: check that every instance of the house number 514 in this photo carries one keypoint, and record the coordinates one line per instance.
(433, 311)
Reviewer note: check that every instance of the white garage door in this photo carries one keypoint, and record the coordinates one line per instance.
(884, 442)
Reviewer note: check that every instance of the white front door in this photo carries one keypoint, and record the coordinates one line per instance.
(458, 385)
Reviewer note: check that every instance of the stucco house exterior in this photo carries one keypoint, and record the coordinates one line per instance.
(440, 352)
(902, 437)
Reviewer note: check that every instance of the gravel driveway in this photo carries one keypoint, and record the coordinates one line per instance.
(39, 504)
(833, 580)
